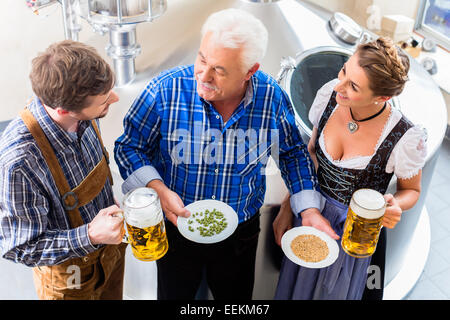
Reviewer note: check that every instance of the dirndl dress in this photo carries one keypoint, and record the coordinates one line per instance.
(346, 278)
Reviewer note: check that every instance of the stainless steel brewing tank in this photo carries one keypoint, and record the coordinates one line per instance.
(294, 28)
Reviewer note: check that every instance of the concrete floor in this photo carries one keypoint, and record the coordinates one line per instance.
(434, 283)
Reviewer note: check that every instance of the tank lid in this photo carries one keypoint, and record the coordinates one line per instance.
(345, 28)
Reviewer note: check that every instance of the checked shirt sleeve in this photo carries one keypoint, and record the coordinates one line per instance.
(296, 166)
(134, 148)
(24, 233)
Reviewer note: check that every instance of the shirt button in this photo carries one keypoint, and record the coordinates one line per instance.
(213, 197)
(216, 171)
(217, 117)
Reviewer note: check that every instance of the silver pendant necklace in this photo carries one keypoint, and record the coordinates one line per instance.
(353, 126)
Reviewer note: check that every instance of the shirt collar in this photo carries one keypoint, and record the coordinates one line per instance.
(248, 97)
(57, 136)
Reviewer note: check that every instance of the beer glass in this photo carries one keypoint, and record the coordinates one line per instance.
(363, 224)
(145, 224)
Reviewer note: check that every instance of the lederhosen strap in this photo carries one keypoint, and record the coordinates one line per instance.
(88, 189)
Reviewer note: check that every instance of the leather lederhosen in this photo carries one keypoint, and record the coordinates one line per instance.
(98, 275)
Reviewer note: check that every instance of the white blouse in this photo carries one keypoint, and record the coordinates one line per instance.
(408, 156)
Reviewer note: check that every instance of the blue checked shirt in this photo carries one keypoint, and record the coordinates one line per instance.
(34, 227)
(172, 134)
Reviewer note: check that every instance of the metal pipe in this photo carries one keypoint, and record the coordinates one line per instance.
(119, 18)
(70, 20)
(123, 49)
(150, 8)
(119, 11)
(89, 11)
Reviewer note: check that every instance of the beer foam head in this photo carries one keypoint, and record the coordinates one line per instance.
(142, 208)
(140, 198)
(368, 203)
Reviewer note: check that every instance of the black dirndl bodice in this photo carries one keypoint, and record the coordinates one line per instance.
(340, 183)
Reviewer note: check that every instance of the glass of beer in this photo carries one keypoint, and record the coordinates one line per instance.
(145, 224)
(363, 224)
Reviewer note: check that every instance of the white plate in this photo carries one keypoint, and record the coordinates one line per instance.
(333, 248)
(201, 206)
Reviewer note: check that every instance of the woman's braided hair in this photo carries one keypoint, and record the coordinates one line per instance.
(385, 65)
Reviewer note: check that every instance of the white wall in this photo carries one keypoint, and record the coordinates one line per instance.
(23, 35)
(357, 9)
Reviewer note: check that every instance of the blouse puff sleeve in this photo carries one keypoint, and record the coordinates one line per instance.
(321, 101)
(409, 154)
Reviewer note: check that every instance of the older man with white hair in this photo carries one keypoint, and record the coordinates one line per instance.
(204, 131)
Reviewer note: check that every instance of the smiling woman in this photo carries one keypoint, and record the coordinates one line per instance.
(380, 142)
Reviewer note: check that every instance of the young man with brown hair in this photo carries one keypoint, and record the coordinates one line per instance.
(57, 211)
